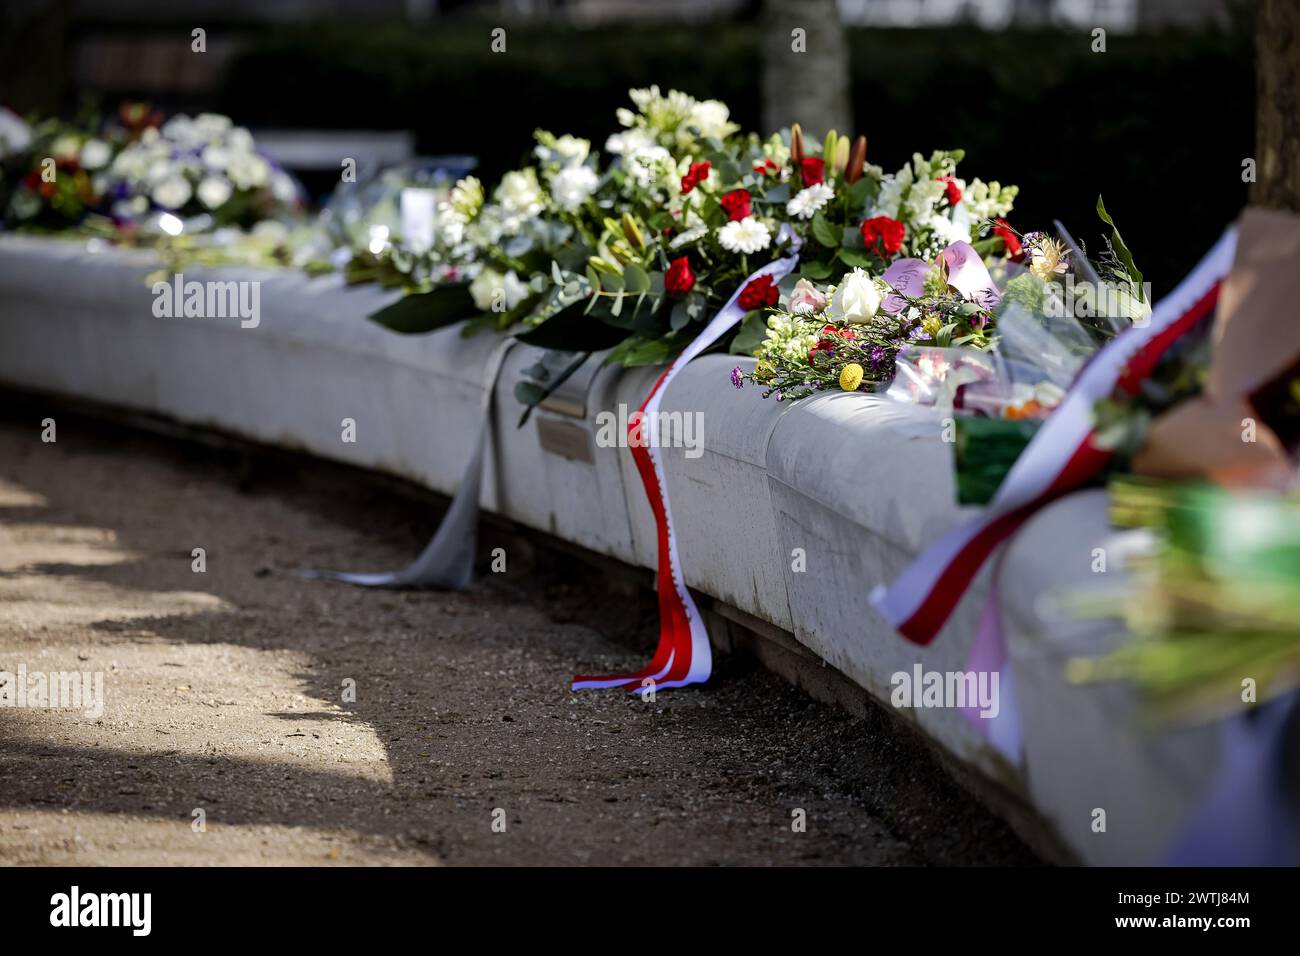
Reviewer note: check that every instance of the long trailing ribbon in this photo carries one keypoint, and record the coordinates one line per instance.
(683, 655)
(1060, 458)
(447, 561)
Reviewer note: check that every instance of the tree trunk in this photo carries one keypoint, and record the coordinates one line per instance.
(1277, 110)
(811, 87)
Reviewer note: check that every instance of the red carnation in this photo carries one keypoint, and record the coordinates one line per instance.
(767, 168)
(694, 176)
(1002, 229)
(759, 293)
(679, 279)
(838, 330)
(736, 204)
(950, 190)
(813, 170)
(883, 236)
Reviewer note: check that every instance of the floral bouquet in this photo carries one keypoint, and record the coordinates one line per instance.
(1214, 601)
(50, 172)
(193, 175)
(636, 250)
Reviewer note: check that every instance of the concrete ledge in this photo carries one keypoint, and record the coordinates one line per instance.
(855, 484)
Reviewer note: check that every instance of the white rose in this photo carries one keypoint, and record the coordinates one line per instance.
(214, 191)
(483, 288)
(172, 193)
(857, 299)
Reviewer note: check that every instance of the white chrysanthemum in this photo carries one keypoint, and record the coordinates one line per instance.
(172, 193)
(214, 191)
(806, 202)
(746, 236)
(572, 186)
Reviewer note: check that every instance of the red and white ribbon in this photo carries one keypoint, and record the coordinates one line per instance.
(1059, 459)
(683, 655)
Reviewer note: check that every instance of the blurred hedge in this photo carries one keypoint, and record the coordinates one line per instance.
(1159, 124)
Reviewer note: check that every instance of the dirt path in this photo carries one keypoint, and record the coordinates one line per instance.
(224, 694)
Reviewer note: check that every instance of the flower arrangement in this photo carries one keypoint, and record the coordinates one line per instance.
(634, 250)
(204, 171)
(120, 179)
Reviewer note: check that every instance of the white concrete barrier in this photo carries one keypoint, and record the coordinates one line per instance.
(791, 513)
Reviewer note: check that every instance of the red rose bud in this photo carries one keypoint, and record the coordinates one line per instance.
(882, 235)
(694, 176)
(1010, 241)
(679, 279)
(813, 170)
(759, 293)
(736, 204)
(950, 191)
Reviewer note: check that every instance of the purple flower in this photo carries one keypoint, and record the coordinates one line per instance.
(877, 354)
(736, 380)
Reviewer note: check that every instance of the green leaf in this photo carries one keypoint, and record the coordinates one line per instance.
(855, 259)
(570, 330)
(828, 235)
(638, 351)
(1122, 250)
(814, 270)
(752, 334)
(635, 279)
(422, 312)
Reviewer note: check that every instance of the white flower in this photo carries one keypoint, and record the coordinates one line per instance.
(519, 194)
(95, 154)
(744, 235)
(628, 142)
(482, 290)
(711, 118)
(650, 165)
(857, 299)
(491, 290)
(571, 186)
(15, 135)
(283, 188)
(213, 191)
(686, 237)
(806, 202)
(570, 150)
(172, 193)
(946, 231)
(247, 170)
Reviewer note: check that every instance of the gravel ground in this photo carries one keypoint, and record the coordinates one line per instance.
(225, 695)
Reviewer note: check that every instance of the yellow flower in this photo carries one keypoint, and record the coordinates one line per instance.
(851, 377)
(764, 371)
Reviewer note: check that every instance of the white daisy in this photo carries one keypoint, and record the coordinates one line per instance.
(806, 202)
(745, 235)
